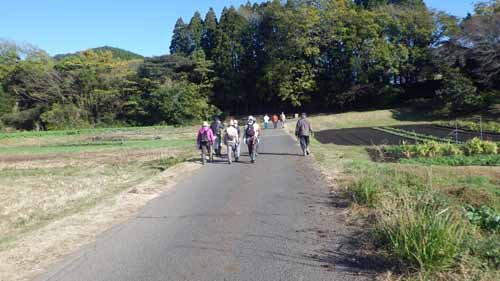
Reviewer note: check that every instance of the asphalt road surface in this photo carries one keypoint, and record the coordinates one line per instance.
(271, 220)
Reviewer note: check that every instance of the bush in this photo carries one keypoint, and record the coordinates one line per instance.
(485, 217)
(63, 117)
(473, 147)
(451, 150)
(489, 147)
(179, 103)
(432, 148)
(420, 231)
(458, 93)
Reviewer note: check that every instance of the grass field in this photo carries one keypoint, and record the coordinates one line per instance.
(431, 222)
(51, 175)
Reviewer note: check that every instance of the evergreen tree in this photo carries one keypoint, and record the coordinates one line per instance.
(196, 29)
(228, 55)
(208, 39)
(182, 41)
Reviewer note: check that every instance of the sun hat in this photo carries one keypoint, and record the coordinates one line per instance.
(231, 122)
(205, 124)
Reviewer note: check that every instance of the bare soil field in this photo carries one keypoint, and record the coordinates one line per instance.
(370, 136)
(359, 136)
(445, 132)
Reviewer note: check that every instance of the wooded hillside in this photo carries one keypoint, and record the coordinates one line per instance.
(313, 55)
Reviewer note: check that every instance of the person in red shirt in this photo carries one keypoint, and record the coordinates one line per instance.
(275, 120)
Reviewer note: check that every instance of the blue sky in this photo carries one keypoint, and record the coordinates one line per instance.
(144, 27)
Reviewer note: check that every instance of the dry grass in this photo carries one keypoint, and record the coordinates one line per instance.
(54, 200)
(36, 250)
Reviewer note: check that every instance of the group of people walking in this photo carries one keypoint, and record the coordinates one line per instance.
(210, 137)
(276, 120)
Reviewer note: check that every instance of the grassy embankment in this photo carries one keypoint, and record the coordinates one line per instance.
(46, 176)
(435, 222)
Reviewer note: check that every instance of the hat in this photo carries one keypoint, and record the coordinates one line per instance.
(205, 124)
(236, 122)
(231, 122)
(251, 118)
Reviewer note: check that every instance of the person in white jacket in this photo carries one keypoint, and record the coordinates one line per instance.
(266, 121)
(231, 140)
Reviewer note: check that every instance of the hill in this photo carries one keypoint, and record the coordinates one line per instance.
(117, 53)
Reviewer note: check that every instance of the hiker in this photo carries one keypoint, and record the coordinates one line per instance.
(283, 120)
(266, 121)
(303, 130)
(217, 128)
(238, 144)
(205, 142)
(275, 118)
(250, 137)
(231, 139)
(258, 130)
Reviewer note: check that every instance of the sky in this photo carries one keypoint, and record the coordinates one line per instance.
(144, 27)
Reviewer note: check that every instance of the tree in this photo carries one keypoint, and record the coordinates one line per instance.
(458, 93)
(178, 103)
(208, 38)
(182, 40)
(475, 47)
(196, 30)
(227, 59)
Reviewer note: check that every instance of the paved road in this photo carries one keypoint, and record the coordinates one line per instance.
(267, 221)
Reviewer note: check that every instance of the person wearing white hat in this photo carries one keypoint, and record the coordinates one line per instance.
(250, 137)
(231, 139)
(205, 142)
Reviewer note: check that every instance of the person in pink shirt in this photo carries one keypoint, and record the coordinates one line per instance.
(205, 142)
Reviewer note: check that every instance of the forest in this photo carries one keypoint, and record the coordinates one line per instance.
(313, 55)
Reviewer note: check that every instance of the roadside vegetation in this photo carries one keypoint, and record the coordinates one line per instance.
(433, 222)
(47, 176)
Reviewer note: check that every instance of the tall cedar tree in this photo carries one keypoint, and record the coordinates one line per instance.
(182, 40)
(196, 30)
(208, 38)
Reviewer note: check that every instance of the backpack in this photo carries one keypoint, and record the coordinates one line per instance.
(204, 137)
(250, 132)
(229, 136)
(216, 128)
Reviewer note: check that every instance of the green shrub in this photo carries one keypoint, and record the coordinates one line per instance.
(485, 217)
(473, 147)
(451, 150)
(433, 148)
(420, 231)
(489, 147)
